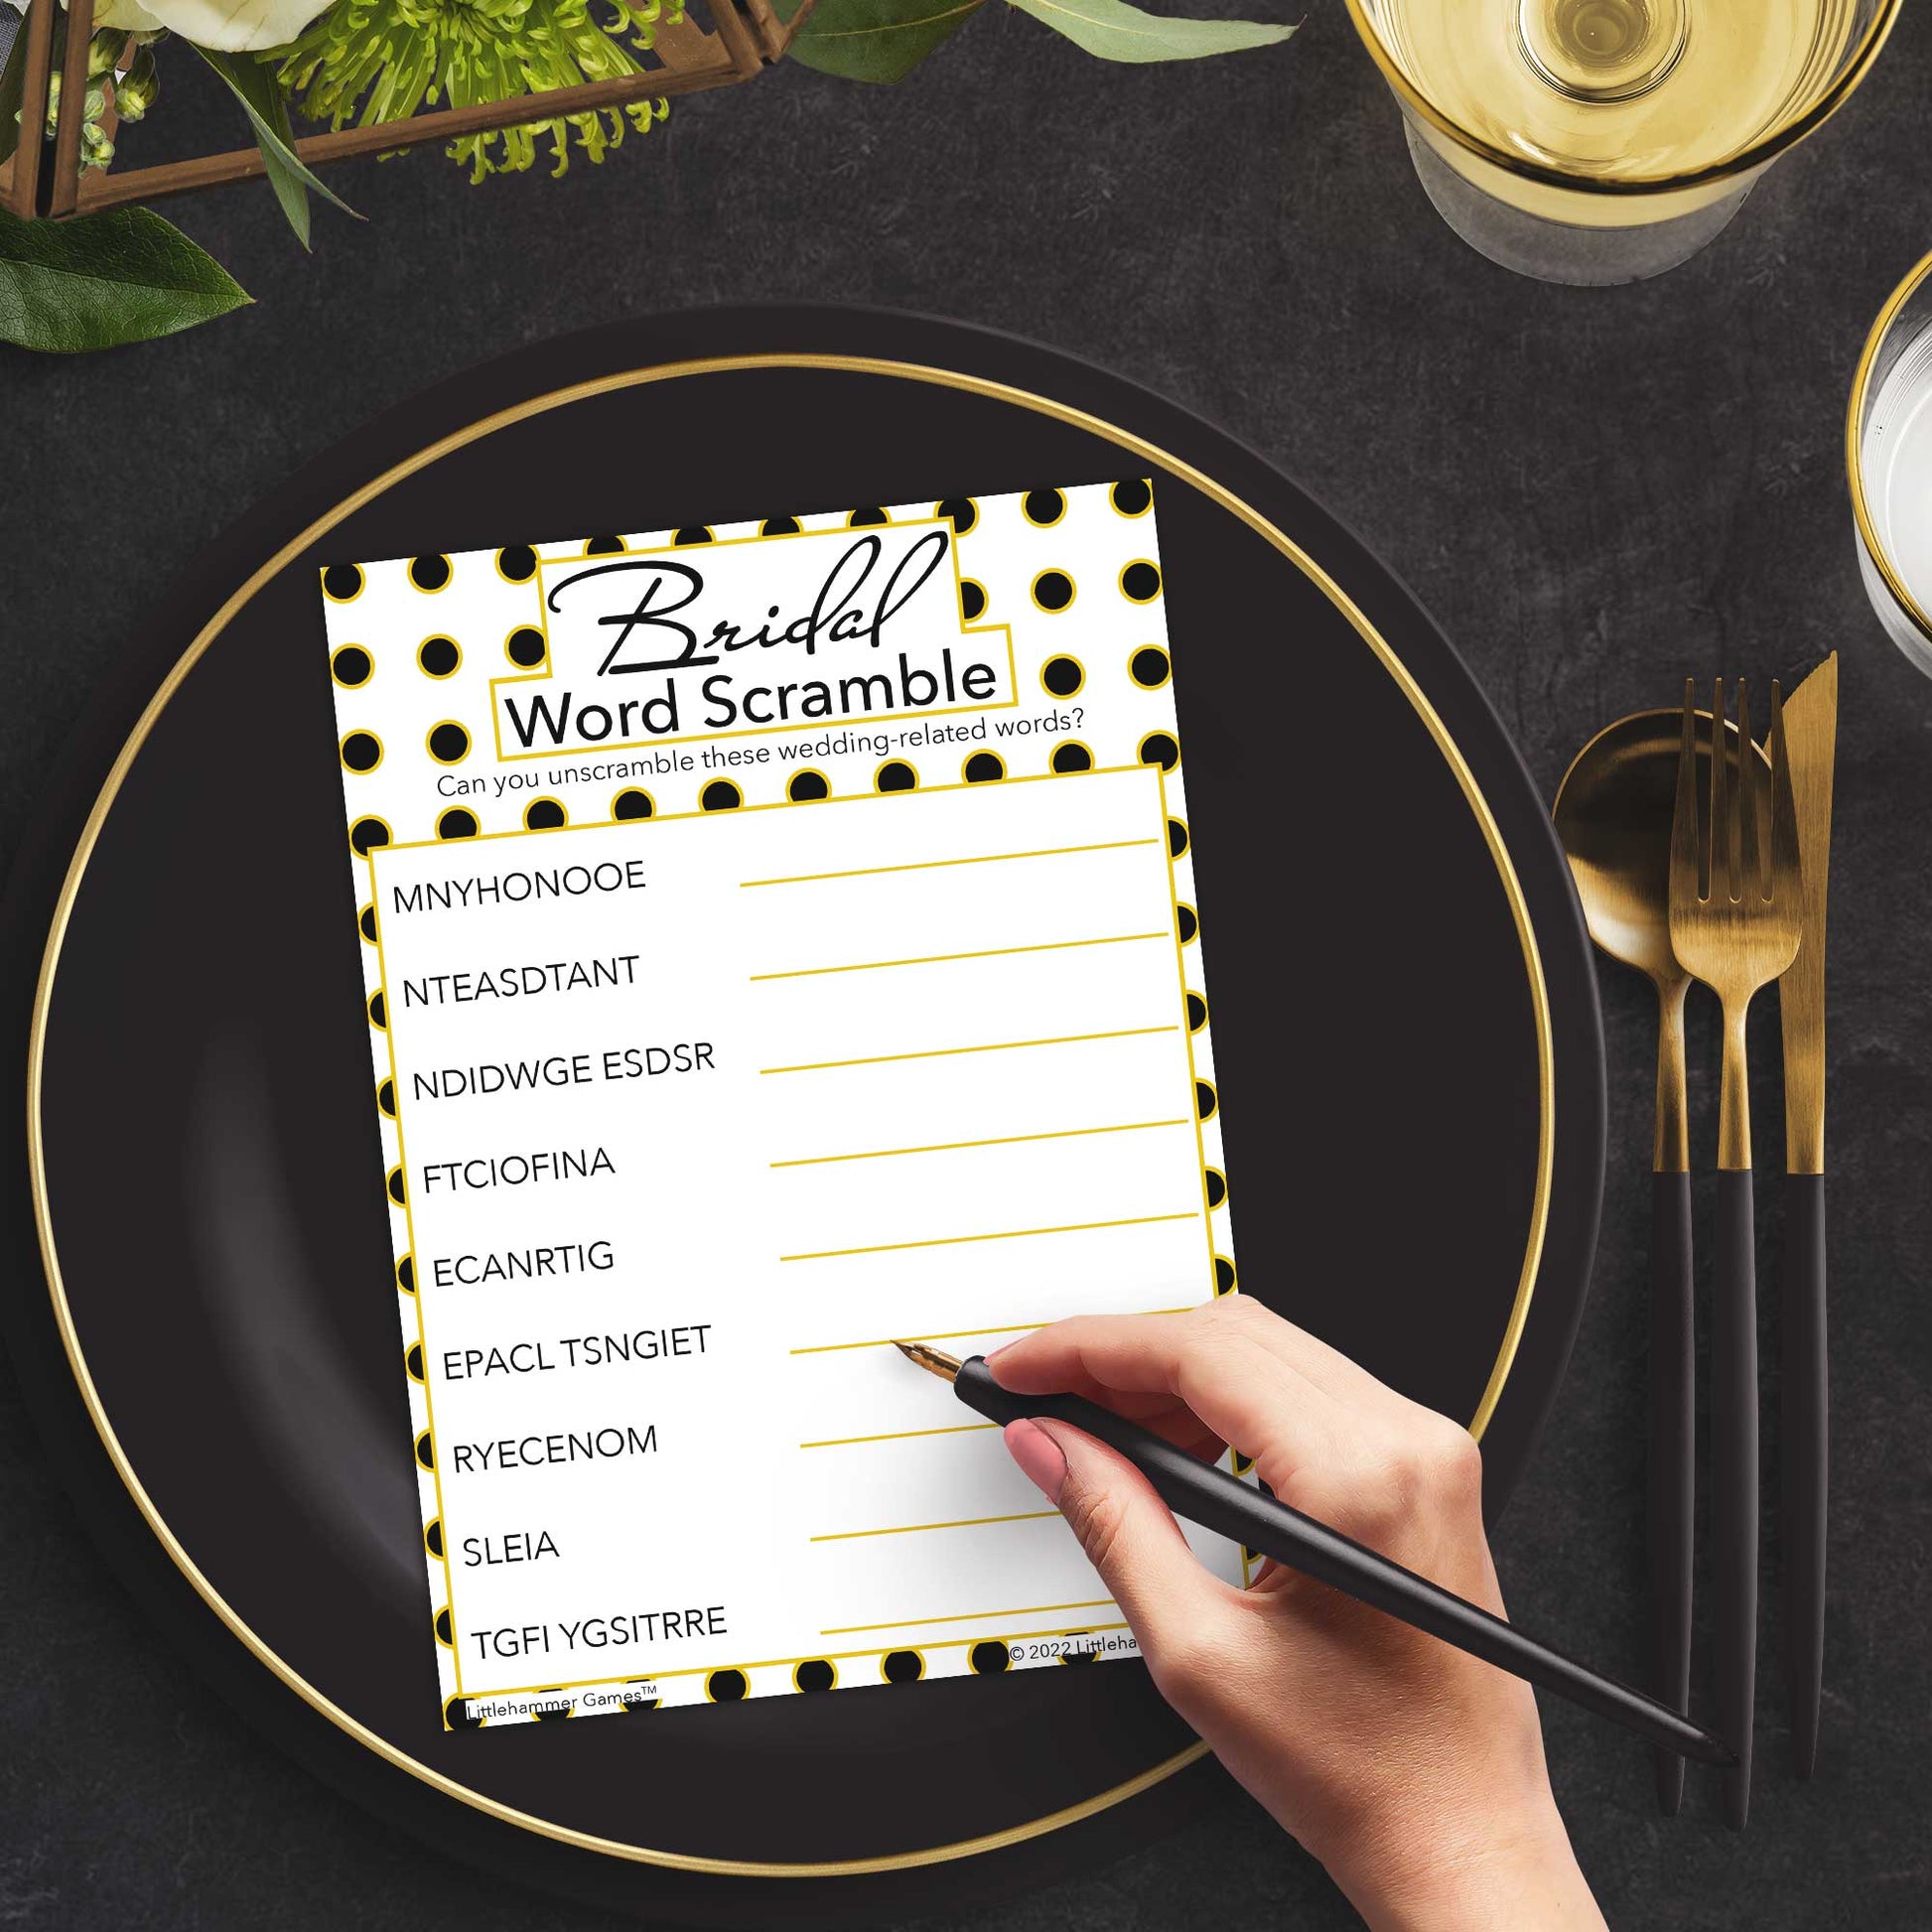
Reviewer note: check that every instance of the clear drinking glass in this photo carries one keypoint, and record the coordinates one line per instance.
(1600, 141)
(1888, 452)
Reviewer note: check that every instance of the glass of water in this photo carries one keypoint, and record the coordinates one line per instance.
(1598, 141)
(1888, 452)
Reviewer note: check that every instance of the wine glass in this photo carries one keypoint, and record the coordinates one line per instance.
(1600, 141)
(1888, 453)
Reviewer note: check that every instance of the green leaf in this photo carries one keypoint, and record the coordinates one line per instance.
(1117, 32)
(875, 40)
(13, 83)
(257, 87)
(126, 276)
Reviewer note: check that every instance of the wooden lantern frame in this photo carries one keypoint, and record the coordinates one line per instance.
(44, 179)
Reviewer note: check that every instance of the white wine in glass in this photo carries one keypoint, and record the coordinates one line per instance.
(1605, 140)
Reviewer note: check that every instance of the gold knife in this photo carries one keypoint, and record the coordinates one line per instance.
(1811, 732)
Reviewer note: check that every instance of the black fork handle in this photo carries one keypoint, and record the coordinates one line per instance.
(1734, 1483)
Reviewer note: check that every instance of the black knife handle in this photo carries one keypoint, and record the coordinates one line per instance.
(1802, 1484)
(1734, 1483)
(1673, 1460)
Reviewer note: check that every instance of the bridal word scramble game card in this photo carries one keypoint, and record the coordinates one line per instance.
(778, 938)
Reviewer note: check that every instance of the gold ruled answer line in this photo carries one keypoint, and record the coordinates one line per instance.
(999, 1234)
(940, 1335)
(897, 1436)
(964, 1617)
(762, 1663)
(992, 1047)
(911, 1528)
(947, 958)
(998, 1139)
(935, 865)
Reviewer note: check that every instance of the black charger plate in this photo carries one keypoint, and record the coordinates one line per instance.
(1409, 1049)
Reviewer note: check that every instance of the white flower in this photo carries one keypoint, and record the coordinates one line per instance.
(232, 25)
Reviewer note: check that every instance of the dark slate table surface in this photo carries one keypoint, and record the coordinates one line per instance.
(1595, 493)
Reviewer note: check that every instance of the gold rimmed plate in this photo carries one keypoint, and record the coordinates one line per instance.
(202, 1309)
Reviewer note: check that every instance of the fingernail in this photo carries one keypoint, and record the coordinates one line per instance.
(1038, 1456)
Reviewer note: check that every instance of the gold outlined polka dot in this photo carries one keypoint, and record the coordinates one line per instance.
(721, 795)
(447, 742)
(1042, 509)
(351, 666)
(366, 834)
(517, 564)
(633, 803)
(1132, 498)
(807, 787)
(1047, 594)
(545, 815)
(1139, 581)
(1062, 676)
(982, 768)
(431, 573)
(360, 752)
(342, 583)
(525, 647)
(895, 775)
(1070, 756)
(439, 657)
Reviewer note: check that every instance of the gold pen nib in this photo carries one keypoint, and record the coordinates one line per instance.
(946, 1367)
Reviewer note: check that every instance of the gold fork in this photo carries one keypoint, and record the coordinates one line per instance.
(1736, 936)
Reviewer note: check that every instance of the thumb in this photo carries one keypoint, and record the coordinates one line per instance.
(1128, 1533)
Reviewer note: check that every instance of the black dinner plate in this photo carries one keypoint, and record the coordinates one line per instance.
(1407, 1040)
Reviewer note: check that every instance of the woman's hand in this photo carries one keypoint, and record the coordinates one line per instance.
(1412, 1772)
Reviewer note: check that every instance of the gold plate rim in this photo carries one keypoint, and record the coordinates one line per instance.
(319, 527)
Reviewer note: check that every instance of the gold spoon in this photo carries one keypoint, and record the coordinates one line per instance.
(1613, 814)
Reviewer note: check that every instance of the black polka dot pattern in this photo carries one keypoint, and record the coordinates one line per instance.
(457, 823)
(1187, 924)
(361, 751)
(895, 775)
(524, 648)
(1140, 582)
(720, 795)
(429, 573)
(633, 804)
(807, 788)
(341, 581)
(1206, 1100)
(544, 815)
(960, 511)
(517, 564)
(366, 834)
(406, 1273)
(439, 657)
(1044, 507)
(989, 1659)
(1132, 498)
(903, 1667)
(726, 1686)
(983, 768)
(1054, 590)
(1217, 1186)
(1063, 677)
(972, 600)
(1158, 748)
(815, 1675)
(1072, 757)
(351, 666)
(447, 743)
(779, 526)
(1150, 667)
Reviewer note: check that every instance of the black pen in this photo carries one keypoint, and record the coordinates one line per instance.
(1218, 1501)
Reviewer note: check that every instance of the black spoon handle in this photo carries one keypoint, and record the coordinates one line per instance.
(1734, 1482)
(1673, 1461)
(1217, 1501)
(1806, 1418)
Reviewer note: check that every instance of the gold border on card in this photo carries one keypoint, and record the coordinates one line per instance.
(320, 526)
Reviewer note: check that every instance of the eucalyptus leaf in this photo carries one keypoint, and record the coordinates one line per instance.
(875, 40)
(257, 87)
(1117, 32)
(126, 276)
